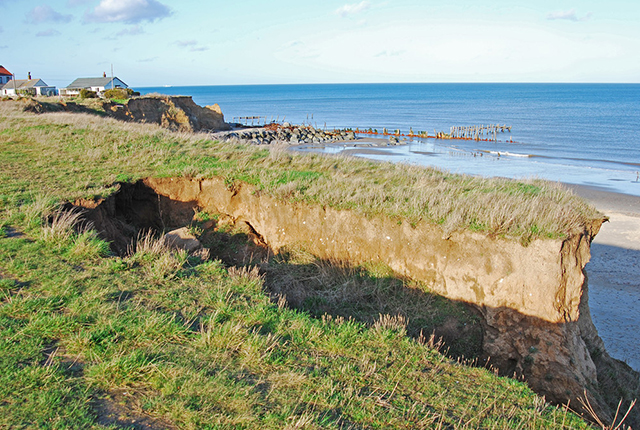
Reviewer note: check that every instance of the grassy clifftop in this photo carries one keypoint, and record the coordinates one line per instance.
(84, 155)
(161, 339)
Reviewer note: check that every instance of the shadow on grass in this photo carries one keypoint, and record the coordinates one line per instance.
(366, 293)
(519, 345)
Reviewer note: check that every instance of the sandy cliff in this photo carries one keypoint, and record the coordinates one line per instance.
(533, 299)
(172, 112)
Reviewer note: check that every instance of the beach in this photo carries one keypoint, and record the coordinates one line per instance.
(614, 273)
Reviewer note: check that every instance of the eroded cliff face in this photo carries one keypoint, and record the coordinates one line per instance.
(533, 299)
(178, 113)
(173, 112)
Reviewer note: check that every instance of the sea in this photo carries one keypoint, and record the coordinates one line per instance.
(585, 134)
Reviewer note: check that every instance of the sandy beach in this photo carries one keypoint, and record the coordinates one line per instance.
(614, 273)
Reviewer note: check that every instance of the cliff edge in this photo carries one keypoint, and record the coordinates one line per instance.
(179, 113)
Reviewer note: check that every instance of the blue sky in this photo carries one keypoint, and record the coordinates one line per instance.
(188, 42)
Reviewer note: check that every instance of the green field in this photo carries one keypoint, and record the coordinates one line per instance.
(157, 338)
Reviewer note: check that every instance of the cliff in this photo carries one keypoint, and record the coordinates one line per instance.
(533, 299)
(178, 113)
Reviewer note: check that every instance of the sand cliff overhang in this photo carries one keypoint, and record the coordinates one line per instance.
(533, 299)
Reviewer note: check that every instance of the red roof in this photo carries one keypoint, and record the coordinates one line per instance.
(4, 72)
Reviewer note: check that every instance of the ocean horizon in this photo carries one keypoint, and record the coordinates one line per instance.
(585, 134)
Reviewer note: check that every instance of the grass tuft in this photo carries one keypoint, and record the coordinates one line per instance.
(62, 227)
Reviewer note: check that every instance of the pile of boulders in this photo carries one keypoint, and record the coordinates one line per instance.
(288, 134)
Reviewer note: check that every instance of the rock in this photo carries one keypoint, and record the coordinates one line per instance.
(293, 135)
(182, 239)
(214, 107)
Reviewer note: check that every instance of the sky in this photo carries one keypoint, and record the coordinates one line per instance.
(188, 42)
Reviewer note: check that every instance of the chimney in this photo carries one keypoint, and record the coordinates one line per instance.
(104, 74)
(29, 76)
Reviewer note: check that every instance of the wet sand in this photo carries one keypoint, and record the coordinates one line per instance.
(614, 273)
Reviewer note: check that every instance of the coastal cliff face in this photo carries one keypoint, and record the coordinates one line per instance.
(178, 113)
(533, 299)
(173, 112)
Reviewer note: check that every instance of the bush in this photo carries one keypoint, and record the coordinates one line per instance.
(88, 94)
(120, 93)
(117, 93)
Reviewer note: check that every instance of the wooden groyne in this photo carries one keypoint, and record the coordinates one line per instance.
(244, 120)
(485, 133)
(475, 132)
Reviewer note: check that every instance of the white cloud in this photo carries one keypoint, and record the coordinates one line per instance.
(352, 9)
(392, 53)
(44, 13)
(48, 33)
(185, 43)
(131, 31)
(569, 15)
(192, 44)
(293, 43)
(129, 11)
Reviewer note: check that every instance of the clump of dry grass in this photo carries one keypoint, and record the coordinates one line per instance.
(516, 208)
(62, 227)
(395, 323)
(160, 261)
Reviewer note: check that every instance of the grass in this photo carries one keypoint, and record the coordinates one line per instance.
(169, 340)
(162, 339)
(90, 153)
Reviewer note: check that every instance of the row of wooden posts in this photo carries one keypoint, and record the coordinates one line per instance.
(245, 119)
(478, 131)
(475, 132)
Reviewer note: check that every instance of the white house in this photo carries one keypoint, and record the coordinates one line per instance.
(5, 76)
(34, 87)
(99, 85)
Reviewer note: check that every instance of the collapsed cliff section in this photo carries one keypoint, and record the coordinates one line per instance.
(178, 113)
(533, 300)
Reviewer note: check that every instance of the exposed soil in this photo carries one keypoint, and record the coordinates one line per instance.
(554, 346)
(120, 408)
(318, 286)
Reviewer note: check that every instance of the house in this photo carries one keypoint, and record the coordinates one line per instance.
(34, 87)
(99, 85)
(5, 76)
